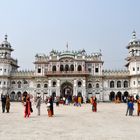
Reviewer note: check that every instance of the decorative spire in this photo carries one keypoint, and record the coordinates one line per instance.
(134, 34)
(6, 37)
(67, 46)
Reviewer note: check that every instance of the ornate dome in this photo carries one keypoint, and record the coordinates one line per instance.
(5, 43)
(134, 40)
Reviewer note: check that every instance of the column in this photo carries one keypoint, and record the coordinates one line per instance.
(74, 88)
(58, 88)
(49, 88)
(84, 91)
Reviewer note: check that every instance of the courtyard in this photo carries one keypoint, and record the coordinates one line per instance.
(70, 123)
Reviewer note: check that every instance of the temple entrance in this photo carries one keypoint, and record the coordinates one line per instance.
(66, 90)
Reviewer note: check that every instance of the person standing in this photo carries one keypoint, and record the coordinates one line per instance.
(57, 101)
(131, 108)
(127, 101)
(7, 103)
(27, 105)
(38, 104)
(51, 105)
(138, 104)
(94, 104)
(79, 100)
(3, 100)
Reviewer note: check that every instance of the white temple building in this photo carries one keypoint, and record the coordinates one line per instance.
(70, 73)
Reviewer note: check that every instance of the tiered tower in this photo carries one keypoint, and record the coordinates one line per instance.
(133, 64)
(7, 65)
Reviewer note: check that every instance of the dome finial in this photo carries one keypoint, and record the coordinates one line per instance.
(6, 37)
(67, 45)
(134, 34)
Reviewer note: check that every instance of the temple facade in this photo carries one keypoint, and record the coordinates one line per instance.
(70, 73)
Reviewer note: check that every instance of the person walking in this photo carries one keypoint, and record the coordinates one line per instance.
(38, 104)
(3, 101)
(7, 103)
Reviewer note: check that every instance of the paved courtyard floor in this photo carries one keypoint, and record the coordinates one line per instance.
(70, 123)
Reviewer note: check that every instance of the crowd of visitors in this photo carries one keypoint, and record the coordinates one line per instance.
(67, 100)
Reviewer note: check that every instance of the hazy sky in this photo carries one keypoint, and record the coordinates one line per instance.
(38, 26)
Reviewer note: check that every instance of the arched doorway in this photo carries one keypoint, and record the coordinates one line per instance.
(53, 95)
(12, 96)
(19, 96)
(125, 95)
(119, 96)
(67, 90)
(112, 96)
(24, 96)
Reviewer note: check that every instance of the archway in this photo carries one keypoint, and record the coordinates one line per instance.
(12, 96)
(125, 95)
(119, 96)
(53, 95)
(112, 96)
(67, 90)
(19, 96)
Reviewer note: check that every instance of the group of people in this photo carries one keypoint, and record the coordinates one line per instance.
(77, 100)
(5, 99)
(28, 105)
(130, 105)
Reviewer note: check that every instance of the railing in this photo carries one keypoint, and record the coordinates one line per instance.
(65, 73)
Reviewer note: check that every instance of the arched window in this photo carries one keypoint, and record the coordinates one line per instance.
(66, 67)
(97, 85)
(112, 96)
(13, 82)
(89, 85)
(125, 84)
(79, 68)
(54, 84)
(112, 84)
(61, 68)
(19, 84)
(118, 84)
(79, 84)
(25, 82)
(119, 96)
(45, 85)
(54, 68)
(72, 67)
(38, 85)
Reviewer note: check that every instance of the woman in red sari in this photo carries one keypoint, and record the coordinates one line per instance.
(94, 104)
(27, 105)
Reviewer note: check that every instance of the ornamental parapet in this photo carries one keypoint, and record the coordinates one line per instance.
(116, 73)
(22, 73)
(67, 73)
